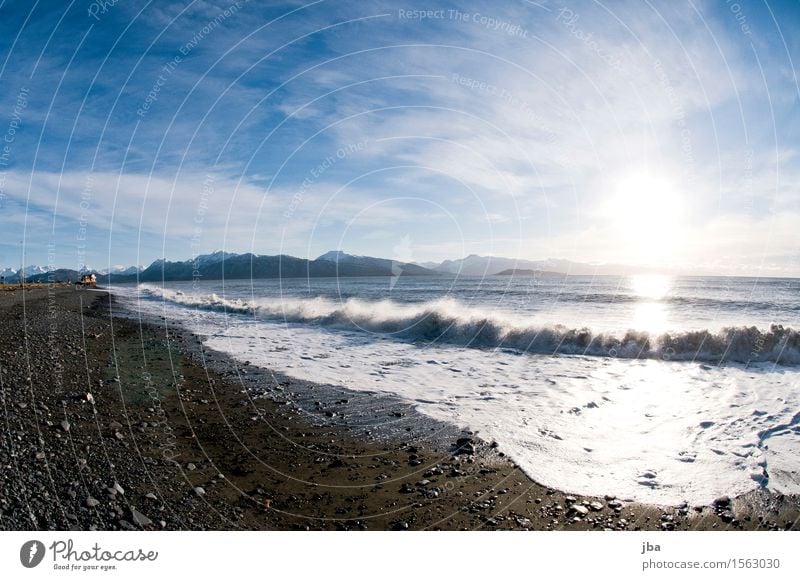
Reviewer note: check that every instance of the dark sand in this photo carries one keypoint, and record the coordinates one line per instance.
(174, 437)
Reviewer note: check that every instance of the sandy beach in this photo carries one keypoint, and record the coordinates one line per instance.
(109, 423)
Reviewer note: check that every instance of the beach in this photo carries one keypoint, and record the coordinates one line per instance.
(113, 423)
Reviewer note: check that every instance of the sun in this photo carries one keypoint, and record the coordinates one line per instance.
(645, 211)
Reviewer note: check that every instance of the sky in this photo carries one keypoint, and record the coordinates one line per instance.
(649, 133)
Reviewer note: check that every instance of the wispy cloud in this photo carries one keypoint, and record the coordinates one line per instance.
(507, 125)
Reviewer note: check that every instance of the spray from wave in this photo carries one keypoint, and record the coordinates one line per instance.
(449, 321)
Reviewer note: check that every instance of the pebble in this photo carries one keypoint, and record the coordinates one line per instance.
(199, 491)
(91, 502)
(722, 501)
(465, 445)
(579, 509)
(139, 518)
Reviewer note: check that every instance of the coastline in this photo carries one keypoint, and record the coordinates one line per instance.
(175, 436)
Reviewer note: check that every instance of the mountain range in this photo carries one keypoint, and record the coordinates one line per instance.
(229, 265)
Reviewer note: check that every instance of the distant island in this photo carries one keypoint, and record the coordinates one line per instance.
(530, 273)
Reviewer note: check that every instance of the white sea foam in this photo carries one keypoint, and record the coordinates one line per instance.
(449, 321)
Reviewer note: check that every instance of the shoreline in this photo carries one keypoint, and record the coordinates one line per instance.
(195, 440)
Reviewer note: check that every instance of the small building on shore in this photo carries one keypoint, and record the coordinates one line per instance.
(87, 280)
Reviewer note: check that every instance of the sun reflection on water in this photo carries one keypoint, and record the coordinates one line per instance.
(651, 312)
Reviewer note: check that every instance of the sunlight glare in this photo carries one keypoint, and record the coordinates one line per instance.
(645, 210)
(651, 286)
(650, 313)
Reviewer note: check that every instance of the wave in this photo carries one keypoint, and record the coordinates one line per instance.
(449, 321)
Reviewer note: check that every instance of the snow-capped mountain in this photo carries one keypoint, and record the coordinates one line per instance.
(367, 263)
(339, 256)
(33, 270)
(13, 275)
(213, 257)
(124, 270)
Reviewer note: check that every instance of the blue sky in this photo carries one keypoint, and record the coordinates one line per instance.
(653, 133)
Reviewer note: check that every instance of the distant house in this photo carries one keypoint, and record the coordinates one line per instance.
(87, 280)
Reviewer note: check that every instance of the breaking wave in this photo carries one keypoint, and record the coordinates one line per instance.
(452, 322)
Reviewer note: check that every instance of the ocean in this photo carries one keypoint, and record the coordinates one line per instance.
(650, 388)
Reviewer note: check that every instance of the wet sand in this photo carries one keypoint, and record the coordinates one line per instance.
(114, 423)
